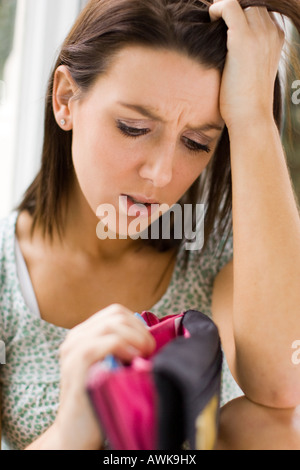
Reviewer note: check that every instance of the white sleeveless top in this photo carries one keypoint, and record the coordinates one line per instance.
(25, 281)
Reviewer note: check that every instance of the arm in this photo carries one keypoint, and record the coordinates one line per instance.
(265, 274)
(266, 268)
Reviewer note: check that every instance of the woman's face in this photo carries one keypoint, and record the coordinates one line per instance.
(146, 130)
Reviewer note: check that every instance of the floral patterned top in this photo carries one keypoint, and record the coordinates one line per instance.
(29, 380)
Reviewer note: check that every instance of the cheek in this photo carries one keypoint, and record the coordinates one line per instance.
(93, 151)
(100, 162)
(189, 170)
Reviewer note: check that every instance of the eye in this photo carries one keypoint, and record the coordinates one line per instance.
(195, 146)
(129, 131)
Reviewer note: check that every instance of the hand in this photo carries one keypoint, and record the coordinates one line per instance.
(114, 330)
(254, 42)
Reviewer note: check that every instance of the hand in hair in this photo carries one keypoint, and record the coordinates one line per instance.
(255, 42)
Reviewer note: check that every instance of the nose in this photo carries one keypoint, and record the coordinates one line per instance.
(158, 166)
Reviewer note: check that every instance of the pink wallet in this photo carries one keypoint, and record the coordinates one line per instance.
(168, 400)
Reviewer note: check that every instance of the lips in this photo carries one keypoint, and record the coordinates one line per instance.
(137, 205)
(139, 199)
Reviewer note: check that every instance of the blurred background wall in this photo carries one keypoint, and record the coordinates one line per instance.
(31, 32)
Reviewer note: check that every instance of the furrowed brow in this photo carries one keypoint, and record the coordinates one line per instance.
(143, 110)
(148, 112)
(208, 127)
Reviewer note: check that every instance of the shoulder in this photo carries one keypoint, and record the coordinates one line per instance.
(7, 253)
(6, 223)
(214, 256)
(7, 248)
(197, 270)
(7, 234)
(7, 268)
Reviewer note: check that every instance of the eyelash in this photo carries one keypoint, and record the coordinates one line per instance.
(134, 133)
(195, 146)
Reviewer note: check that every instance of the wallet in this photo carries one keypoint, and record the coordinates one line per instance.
(169, 401)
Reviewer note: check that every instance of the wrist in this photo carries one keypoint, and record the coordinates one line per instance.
(251, 124)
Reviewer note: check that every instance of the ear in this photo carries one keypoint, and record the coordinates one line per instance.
(64, 89)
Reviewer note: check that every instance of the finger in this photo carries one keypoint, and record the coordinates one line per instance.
(112, 313)
(139, 339)
(126, 327)
(231, 12)
(142, 341)
(260, 20)
(75, 365)
(113, 309)
(254, 17)
(104, 324)
(273, 19)
(258, 17)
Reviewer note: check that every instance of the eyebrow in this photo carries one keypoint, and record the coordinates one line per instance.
(148, 112)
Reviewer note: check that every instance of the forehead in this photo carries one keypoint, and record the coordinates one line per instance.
(168, 81)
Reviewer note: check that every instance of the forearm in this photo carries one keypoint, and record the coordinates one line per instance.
(266, 230)
(50, 440)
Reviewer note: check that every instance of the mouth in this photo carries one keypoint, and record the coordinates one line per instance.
(138, 199)
(138, 206)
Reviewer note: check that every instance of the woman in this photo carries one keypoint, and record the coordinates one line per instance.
(161, 101)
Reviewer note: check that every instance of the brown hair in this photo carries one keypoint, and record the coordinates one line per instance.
(101, 30)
